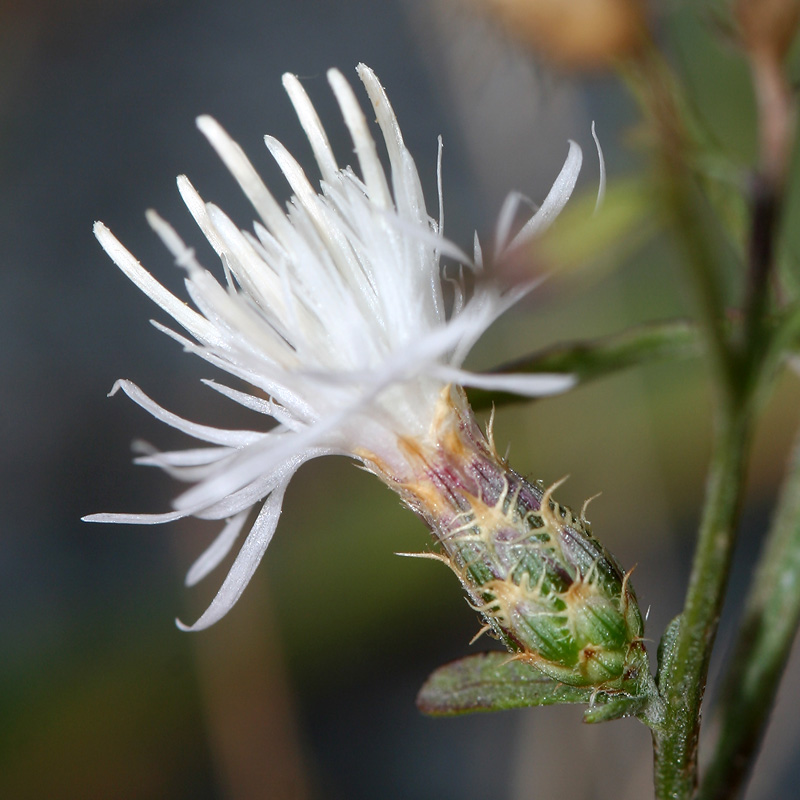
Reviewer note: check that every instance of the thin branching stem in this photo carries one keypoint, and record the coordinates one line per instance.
(771, 618)
(683, 684)
(683, 680)
(744, 366)
(772, 610)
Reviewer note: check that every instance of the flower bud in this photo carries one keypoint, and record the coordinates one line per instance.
(577, 34)
(544, 585)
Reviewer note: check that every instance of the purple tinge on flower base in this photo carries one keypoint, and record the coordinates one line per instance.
(543, 584)
(332, 312)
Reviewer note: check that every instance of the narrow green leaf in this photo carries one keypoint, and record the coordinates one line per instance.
(491, 682)
(666, 648)
(589, 360)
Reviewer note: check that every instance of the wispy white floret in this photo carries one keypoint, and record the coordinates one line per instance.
(332, 312)
(601, 189)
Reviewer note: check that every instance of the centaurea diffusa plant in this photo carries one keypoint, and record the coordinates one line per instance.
(335, 314)
(338, 316)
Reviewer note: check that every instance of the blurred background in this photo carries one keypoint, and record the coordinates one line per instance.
(306, 689)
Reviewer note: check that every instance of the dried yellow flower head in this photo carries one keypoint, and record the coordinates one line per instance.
(575, 34)
(768, 27)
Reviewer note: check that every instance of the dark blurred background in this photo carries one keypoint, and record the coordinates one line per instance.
(306, 689)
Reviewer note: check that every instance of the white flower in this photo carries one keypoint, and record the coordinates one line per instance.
(333, 311)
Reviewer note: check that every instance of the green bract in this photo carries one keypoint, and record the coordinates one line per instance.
(545, 586)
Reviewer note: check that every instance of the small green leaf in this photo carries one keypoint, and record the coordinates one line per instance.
(605, 709)
(666, 648)
(492, 682)
(593, 359)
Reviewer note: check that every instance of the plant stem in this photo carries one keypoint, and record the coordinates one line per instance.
(683, 683)
(741, 376)
(682, 677)
(772, 610)
(772, 615)
(776, 114)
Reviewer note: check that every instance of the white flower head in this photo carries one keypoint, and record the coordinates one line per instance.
(332, 312)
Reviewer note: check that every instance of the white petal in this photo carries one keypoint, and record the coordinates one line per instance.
(486, 305)
(385, 116)
(262, 458)
(245, 497)
(279, 384)
(250, 269)
(556, 198)
(408, 195)
(539, 385)
(192, 321)
(258, 404)
(253, 549)
(439, 186)
(199, 456)
(138, 519)
(247, 400)
(197, 208)
(218, 549)
(245, 174)
(430, 239)
(601, 189)
(371, 168)
(337, 245)
(184, 256)
(188, 466)
(221, 436)
(240, 500)
(188, 346)
(317, 137)
(477, 253)
(505, 219)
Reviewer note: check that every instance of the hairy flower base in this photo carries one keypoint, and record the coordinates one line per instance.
(544, 585)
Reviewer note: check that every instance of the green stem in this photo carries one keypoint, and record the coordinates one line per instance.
(738, 371)
(765, 212)
(589, 360)
(772, 610)
(772, 615)
(684, 679)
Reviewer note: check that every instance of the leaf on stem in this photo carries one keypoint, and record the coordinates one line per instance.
(493, 682)
(598, 358)
(610, 707)
(666, 648)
